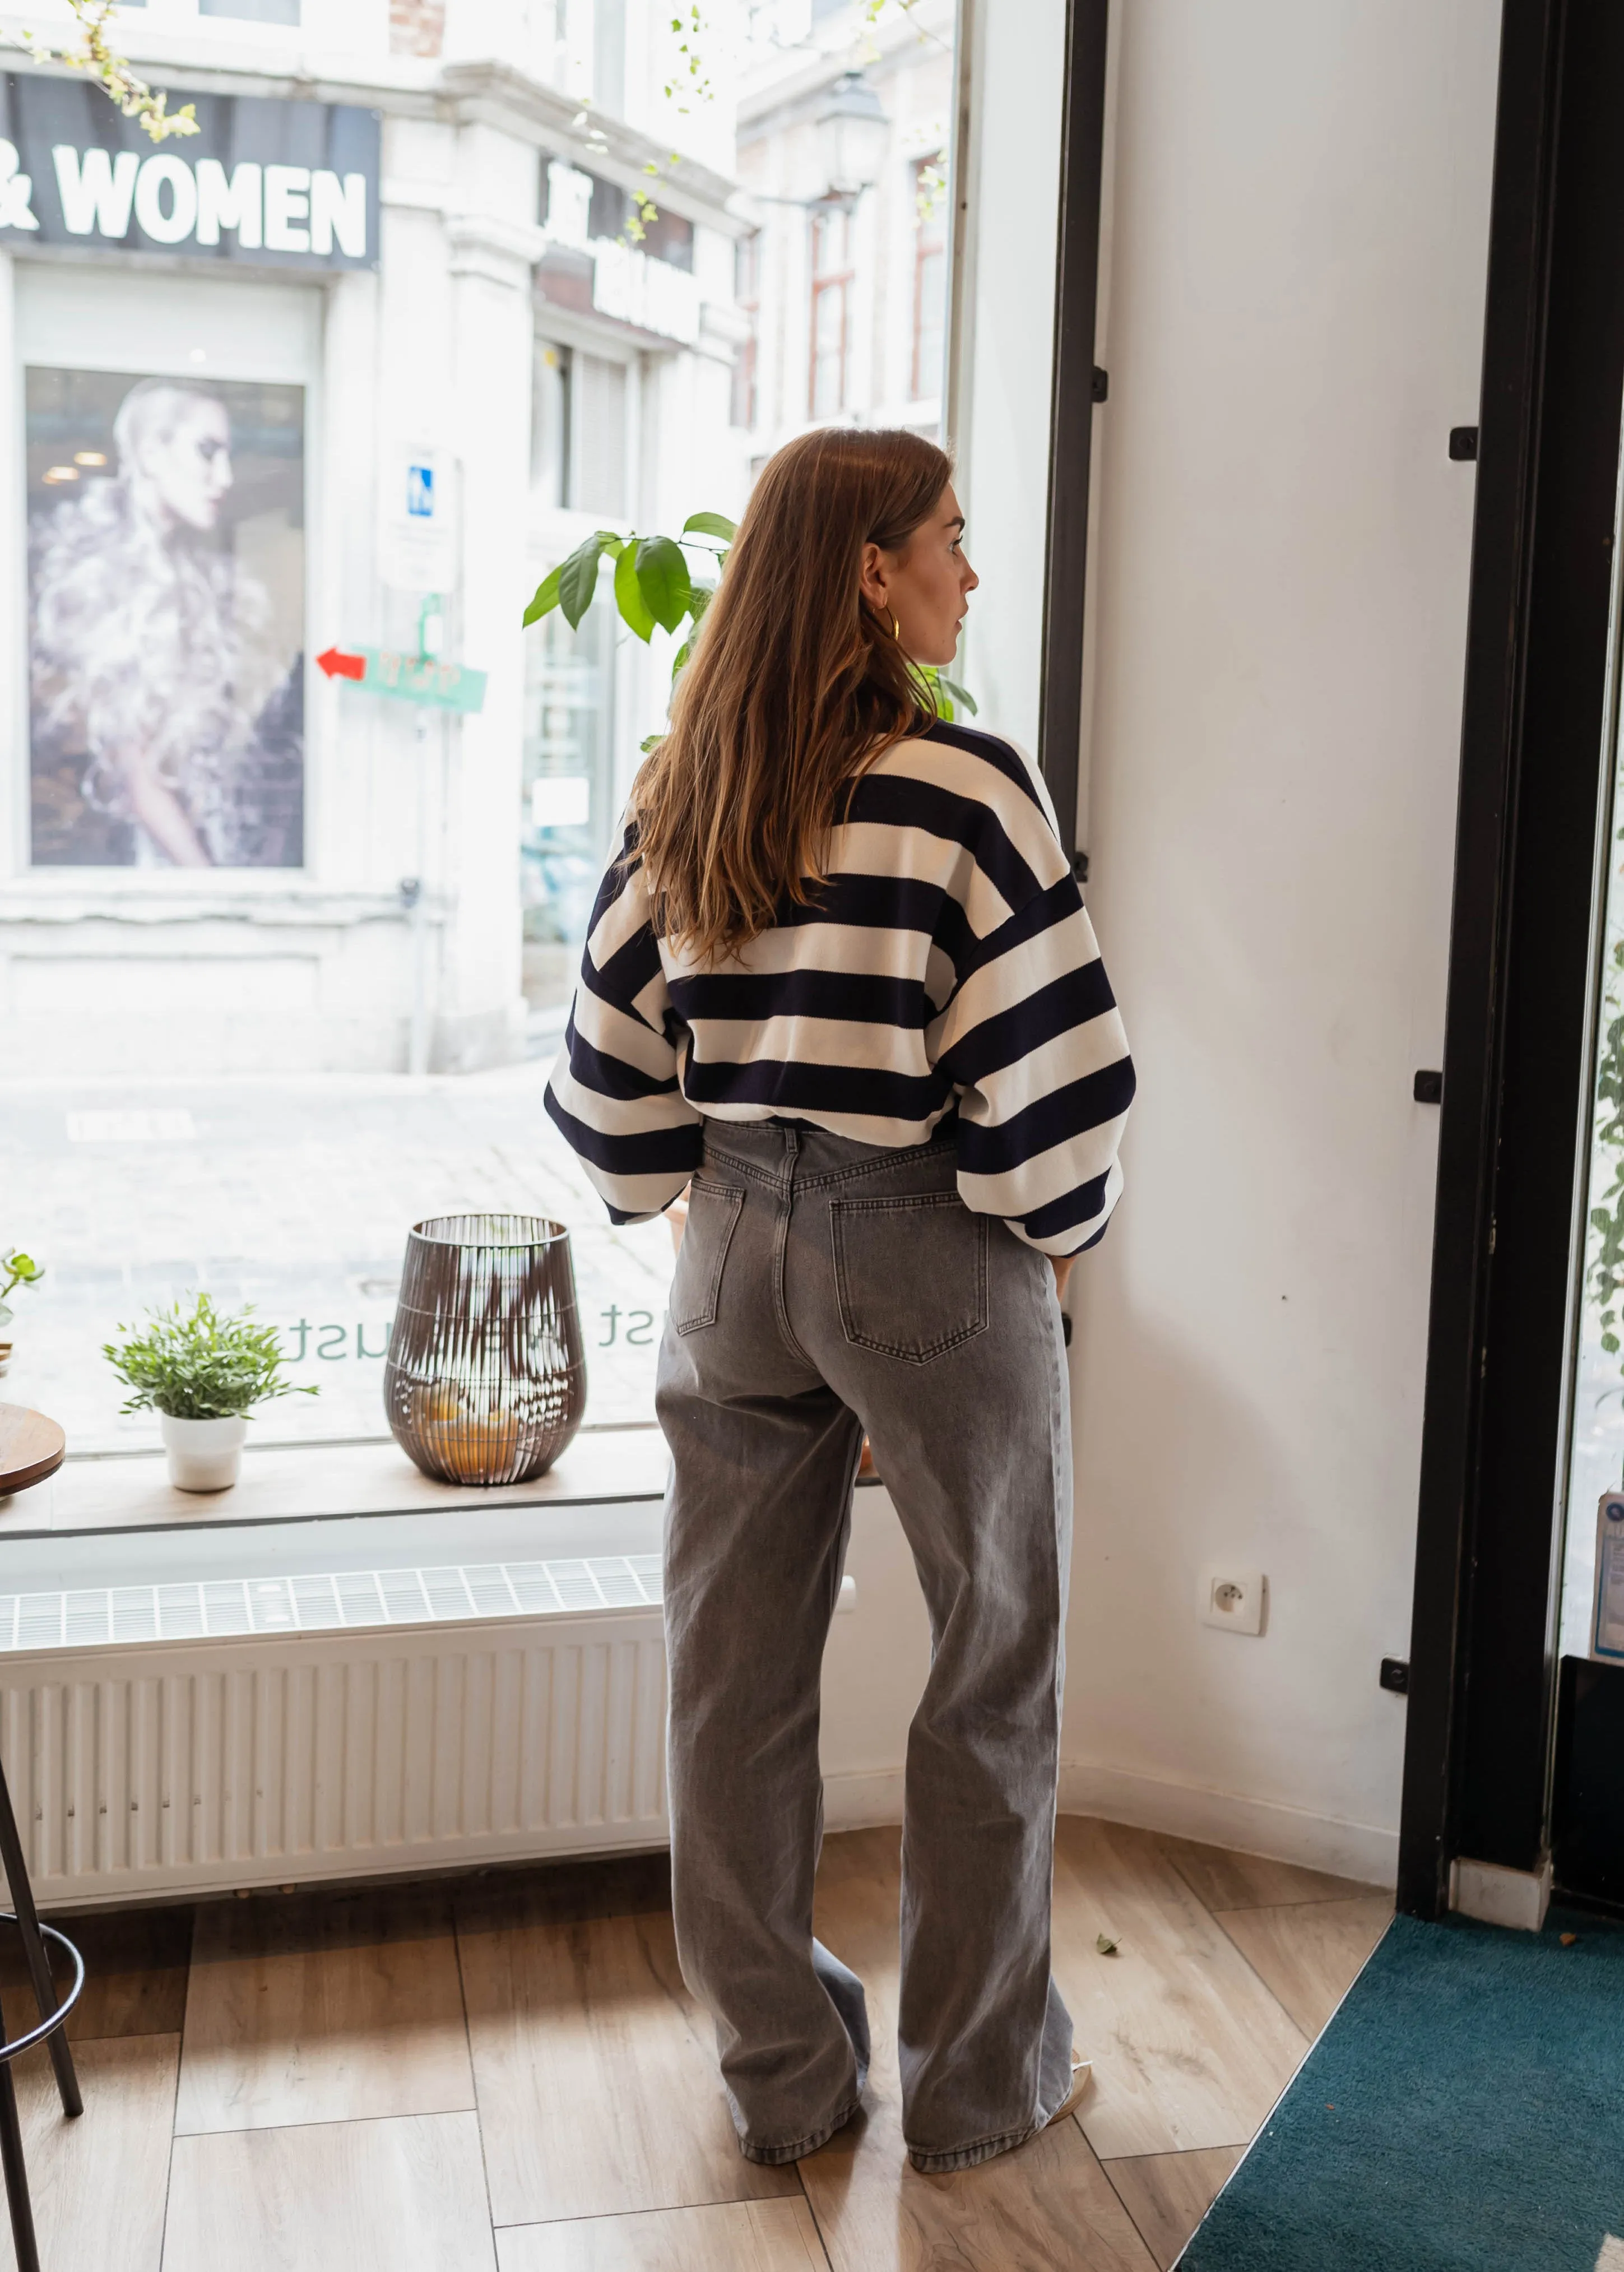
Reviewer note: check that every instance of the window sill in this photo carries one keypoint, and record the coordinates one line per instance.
(314, 1483)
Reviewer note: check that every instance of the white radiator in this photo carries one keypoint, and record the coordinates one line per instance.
(296, 1748)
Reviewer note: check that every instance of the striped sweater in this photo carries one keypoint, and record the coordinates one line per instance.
(948, 964)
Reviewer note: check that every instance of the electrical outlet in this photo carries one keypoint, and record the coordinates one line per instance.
(1235, 1600)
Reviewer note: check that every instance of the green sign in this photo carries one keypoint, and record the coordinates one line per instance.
(404, 677)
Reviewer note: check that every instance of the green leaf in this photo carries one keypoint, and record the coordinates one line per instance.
(578, 579)
(199, 1364)
(635, 610)
(664, 574)
(957, 693)
(1105, 1943)
(546, 598)
(680, 658)
(710, 524)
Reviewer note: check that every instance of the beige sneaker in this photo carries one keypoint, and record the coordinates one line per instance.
(1083, 2071)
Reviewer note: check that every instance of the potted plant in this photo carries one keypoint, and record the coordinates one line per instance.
(202, 1373)
(16, 1269)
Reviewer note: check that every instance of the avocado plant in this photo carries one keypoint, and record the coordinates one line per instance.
(654, 584)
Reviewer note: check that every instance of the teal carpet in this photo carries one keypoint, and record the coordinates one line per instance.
(1463, 2113)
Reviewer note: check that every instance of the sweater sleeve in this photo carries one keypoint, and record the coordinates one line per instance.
(1033, 1040)
(616, 1093)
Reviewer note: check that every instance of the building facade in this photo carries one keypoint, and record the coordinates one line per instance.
(301, 409)
(844, 140)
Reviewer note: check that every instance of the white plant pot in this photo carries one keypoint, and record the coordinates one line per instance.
(204, 1455)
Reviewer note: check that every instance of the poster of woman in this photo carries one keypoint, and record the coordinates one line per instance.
(166, 584)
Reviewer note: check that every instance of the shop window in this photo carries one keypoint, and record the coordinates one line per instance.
(550, 428)
(253, 11)
(930, 277)
(748, 293)
(598, 391)
(610, 213)
(567, 787)
(832, 277)
(166, 621)
(609, 56)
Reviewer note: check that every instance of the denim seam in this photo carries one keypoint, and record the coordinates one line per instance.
(772, 2155)
(909, 1156)
(751, 1168)
(781, 1308)
(979, 2150)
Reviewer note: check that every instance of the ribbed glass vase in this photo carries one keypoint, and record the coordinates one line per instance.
(485, 1380)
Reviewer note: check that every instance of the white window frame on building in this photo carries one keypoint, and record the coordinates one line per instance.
(830, 286)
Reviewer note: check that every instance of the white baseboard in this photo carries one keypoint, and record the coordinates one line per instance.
(855, 1801)
(1223, 1818)
(1494, 1896)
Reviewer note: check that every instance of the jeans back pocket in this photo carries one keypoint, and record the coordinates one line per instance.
(910, 1274)
(696, 1289)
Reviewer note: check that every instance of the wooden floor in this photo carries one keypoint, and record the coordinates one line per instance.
(506, 2075)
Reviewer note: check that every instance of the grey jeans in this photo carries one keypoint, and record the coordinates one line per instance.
(826, 1287)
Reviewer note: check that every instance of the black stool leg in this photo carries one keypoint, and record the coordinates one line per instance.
(16, 2176)
(38, 1963)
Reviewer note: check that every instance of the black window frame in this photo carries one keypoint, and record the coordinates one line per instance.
(1533, 773)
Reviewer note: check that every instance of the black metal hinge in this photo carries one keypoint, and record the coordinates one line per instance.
(1080, 866)
(1102, 384)
(1429, 1088)
(1396, 1675)
(1464, 444)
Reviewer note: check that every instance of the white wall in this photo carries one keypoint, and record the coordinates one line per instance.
(1300, 228)
(1301, 206)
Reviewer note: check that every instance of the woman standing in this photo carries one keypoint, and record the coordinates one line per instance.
(841, 976)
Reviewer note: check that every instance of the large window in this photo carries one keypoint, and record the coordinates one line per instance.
(747, 294)
(930, 276)
(299, 832)
(830, 286)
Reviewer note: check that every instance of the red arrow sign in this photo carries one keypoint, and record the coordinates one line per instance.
(337, 664)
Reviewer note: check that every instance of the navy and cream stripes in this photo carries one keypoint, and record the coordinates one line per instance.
(948, 964)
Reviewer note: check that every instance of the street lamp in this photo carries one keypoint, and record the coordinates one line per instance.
(853, 135)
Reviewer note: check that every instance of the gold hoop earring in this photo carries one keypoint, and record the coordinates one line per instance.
(896, 629)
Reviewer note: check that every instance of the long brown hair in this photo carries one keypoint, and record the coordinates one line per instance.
(795, 687)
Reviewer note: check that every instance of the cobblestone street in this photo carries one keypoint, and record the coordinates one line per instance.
(296, 1194)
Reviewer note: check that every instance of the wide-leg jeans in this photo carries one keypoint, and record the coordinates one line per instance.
(825, 1288)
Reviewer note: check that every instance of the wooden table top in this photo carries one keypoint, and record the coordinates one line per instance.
(31, 1448)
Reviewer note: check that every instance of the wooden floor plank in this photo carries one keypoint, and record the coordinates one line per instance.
(1189, 2048)
(596, 2073)
(773, 2236)
(1168, 2194)
(1045, 2208)
(1227, 1881)
(567, 1892)
(403, 2195)
(1310, 1954)
(97, 2182)
(324, 2011)
(135, 1974)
